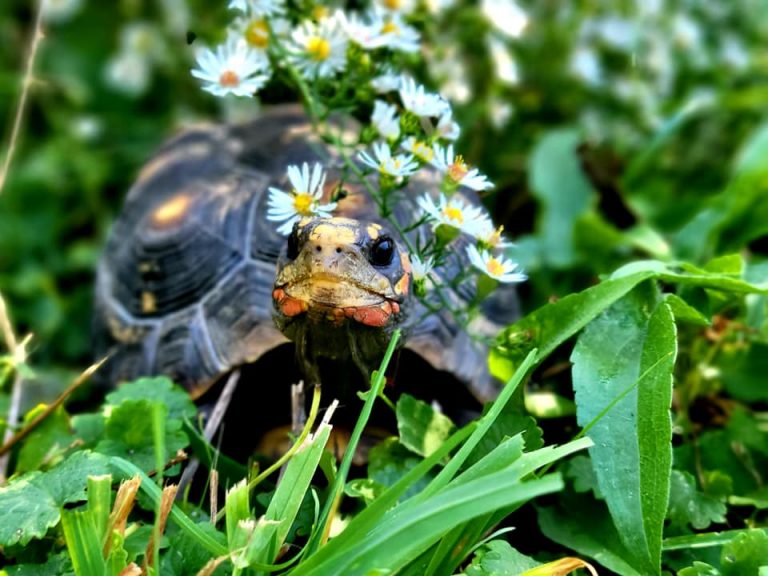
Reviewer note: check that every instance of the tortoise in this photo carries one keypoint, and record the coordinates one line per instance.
(194, 281)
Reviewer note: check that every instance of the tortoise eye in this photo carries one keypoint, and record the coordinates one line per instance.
(382, 251)
(293, 245)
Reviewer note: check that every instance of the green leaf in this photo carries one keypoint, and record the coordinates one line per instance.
(364, 488)
(689, 506)
(89, 428)
(742, 370)
(584, 525)
(389, 461)
(408, 531)
(66, 482)
(28, 512)
(83, 542)
(498, 558)
(511, 421)
(558, 182)
(186, 556)
(422, 429)
(159, 389)
(129, 434)
(700, 569)
(581, 471)
(622, 373)
(684, 312)
(51, 436)
(59, 564)
(745, 554)
(554, 323)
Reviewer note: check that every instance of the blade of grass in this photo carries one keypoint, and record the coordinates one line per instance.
(400, 537)
(484, 424)
(153, 492)
(83, 543)
(320, 535)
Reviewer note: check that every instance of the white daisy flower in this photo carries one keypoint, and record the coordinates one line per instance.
(388, 82)
(421, 150)
(396, 6)
(303, 199)
(397, 166)
(397, 35)
(447, 128)
(419, 101)
(377, 31)
(506, 16)
(128, 73)
(322, 47)
(455, 212)
(255, 31)
(60, 10)
(420, 269)
(490, 237)
(457, 171)
(232, 68)
(497, 267)
(385, 120)
(263, 8)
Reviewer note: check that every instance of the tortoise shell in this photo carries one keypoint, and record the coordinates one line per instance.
(184, 286)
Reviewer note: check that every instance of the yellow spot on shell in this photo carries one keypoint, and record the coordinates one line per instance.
(148, 302)
(172, 210)
(333, 233)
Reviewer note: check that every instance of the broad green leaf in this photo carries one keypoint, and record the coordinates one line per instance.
(584, 525)
(498, 558)
(689, 506)
(159, 389)
(66, 482)
(237, 509)
(364, 488)
(28, 512)
(581, 471)
(622, 376)
(558, 182)
(422, 429)
(89, 428)
(59, 564)
(512, 420)
(745, 554)
(554, 323)
(129, 434)
(51, 436)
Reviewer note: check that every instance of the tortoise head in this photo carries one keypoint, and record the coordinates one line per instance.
(341, 271)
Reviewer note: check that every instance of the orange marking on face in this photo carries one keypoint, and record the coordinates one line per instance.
(289, 306)
(373, 231)
(172, 210)
(405, 262)
(403, 284)
(376, 316)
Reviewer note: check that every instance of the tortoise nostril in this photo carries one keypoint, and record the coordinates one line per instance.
(318, 248)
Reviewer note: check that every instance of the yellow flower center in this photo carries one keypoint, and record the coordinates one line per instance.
(302, 203)
(454, 213)
(495, 236)
(318, 48)
(458, 169)
(319, 12)
(494, 267)
(393, 4)
(257, 34)
(423, 151)
(390, 28)
(229, 79)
